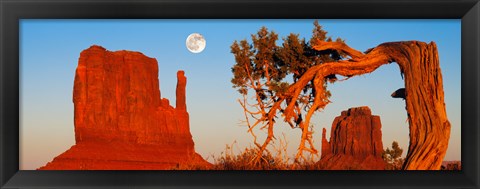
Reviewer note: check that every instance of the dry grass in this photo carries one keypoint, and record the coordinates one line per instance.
(247, 160)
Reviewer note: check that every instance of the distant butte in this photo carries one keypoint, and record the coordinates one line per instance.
(355, 142)
(121, 121)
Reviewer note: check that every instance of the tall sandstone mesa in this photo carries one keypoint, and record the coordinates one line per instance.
(121, 121)
(355, 142)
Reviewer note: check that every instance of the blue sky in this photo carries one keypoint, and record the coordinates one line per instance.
(49, 52)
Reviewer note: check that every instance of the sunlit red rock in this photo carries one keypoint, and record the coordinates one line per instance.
(121, 121)
(355, 142)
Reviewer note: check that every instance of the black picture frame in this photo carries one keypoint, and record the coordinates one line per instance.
(11, 11)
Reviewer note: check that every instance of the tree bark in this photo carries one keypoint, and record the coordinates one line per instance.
(429, 125)
(418, 61)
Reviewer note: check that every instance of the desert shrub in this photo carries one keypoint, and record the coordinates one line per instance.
(392, 157)
(246, 160)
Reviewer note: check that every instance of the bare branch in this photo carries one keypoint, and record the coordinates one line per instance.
(342, 47)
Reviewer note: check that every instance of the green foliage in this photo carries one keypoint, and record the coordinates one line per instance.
(268, 69)
(392, 157)
(243, 67)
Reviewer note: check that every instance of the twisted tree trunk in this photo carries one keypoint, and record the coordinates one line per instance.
(429, 126)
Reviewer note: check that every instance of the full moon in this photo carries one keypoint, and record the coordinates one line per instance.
(195, 43)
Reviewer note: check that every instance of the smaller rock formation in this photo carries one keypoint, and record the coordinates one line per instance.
(451, 165)
(355, 142)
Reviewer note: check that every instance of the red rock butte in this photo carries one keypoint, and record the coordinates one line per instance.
(121, 121)
(355, 142)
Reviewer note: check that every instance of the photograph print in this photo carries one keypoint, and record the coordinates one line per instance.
(256, 94)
